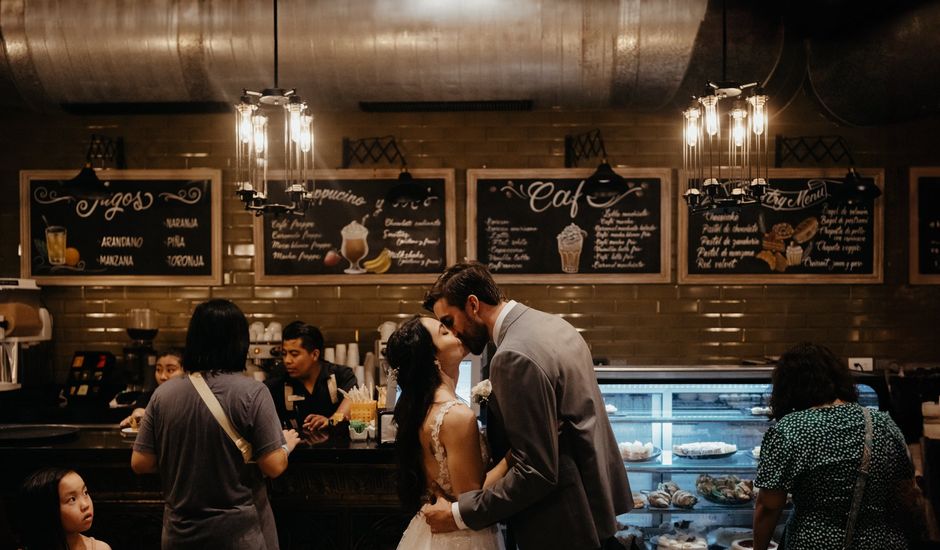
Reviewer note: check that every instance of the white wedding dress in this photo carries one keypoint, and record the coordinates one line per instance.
(418, 535)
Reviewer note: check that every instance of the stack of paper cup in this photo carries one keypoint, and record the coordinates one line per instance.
(360, 375)
(340, 354)
(329, 355)
(352, 355)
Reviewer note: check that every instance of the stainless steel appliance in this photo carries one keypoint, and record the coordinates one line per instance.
(23, 322)
(140, 358)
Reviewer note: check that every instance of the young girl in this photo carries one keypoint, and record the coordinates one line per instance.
(169, 364)
(56, 510)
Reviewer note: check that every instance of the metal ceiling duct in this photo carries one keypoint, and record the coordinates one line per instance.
(632, 54)
(577, 53)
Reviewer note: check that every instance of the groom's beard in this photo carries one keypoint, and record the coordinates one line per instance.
(475, 337)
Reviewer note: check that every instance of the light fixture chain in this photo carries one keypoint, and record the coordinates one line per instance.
(275, 47)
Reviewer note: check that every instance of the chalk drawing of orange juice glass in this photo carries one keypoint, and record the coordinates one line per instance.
(55, 244)
(354, 247)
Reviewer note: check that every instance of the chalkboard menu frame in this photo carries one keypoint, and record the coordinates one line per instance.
(449, 233)
(665, 177)
(205, 175)
(918, 175)
(876, 275)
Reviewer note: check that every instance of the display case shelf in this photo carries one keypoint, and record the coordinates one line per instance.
(741, 461)
(681, 419)
(702, 507)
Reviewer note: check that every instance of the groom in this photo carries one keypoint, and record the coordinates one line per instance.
(566, 482)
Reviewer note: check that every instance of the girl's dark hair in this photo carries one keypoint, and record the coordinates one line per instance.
(412, 352)
(459, 281)
(217, 339)
(808, 375)
(40, 520)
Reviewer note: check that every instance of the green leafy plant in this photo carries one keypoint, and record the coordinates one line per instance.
(357, 425)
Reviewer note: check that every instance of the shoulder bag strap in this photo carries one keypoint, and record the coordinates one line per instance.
(215, 408)
(860, 480)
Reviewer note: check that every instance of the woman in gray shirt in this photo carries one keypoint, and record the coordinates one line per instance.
(214, 499)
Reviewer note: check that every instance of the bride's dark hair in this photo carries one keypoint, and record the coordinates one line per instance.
(412, 352)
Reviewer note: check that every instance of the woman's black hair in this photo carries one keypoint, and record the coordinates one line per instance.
(412, 353)
(809, 375)
(40, 522)
(217, 339)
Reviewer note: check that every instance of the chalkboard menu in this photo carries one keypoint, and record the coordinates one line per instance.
(925, 226)
(363, 227)
(555, 226)
(801, 233)
(147, 227)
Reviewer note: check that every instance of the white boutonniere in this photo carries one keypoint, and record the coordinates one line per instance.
(481, 392)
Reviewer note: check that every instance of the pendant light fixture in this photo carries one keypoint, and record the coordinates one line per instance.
(591, 144)
(726, 164)
(273, 134)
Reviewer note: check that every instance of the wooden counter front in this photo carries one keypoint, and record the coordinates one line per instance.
(335, 494)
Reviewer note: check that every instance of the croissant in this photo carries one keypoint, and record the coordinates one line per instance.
(669, 486)
(684, 499)
(659, 499)
(638, 501)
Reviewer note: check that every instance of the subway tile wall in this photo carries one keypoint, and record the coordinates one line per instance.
(637, 324)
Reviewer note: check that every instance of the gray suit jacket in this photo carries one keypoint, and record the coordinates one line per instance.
(566, 483)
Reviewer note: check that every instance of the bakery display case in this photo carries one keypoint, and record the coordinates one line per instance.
(690, 438)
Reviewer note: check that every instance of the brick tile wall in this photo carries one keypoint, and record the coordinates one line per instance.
(659, 324)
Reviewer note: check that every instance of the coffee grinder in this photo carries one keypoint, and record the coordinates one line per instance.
(140, 358)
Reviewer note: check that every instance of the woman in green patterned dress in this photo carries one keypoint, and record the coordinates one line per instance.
(814, 452)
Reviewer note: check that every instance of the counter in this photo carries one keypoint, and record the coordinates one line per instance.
(335, 493)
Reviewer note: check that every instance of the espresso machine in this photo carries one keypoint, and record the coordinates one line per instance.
(264, 350)
(23, 322)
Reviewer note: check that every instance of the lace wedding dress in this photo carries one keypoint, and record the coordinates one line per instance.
(418, 535)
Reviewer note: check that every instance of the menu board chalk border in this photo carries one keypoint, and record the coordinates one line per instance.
(915, 276)
(213, 176)
(450, 232)
(665, 176)
(876, 277)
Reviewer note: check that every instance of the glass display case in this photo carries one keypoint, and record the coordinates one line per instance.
(698, 430)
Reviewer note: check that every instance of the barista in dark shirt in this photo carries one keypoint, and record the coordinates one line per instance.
(309, 395)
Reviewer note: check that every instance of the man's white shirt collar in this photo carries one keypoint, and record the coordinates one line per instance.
(499, 320)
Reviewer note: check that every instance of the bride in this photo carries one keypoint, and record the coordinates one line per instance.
(440, 451)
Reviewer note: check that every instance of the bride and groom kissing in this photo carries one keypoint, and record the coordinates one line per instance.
(558, 479)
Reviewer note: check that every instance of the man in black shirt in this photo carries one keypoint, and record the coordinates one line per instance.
(309, 395)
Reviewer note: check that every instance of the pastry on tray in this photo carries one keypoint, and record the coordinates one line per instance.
(684, 499)
(681, 542)
(635, 450)
(659, 499)
(704, 449)
(728, 489)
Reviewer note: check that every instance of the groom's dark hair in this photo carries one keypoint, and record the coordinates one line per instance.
(461, 280)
